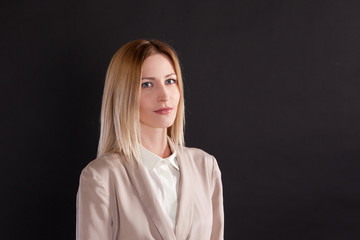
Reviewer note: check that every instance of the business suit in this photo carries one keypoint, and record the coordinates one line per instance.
(115, 200)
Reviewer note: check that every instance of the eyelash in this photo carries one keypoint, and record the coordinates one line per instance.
(143, 85)
(171, 79)
(167, 82)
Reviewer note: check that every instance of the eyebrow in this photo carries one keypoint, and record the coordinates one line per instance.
(153, 78)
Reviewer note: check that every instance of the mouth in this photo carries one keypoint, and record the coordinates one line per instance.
(164, 111)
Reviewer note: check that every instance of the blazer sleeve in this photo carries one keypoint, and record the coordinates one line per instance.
(92, 207)
(217, 232)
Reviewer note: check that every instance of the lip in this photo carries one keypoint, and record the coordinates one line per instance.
(164, 111)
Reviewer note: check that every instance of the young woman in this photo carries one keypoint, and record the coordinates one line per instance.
(145, 184)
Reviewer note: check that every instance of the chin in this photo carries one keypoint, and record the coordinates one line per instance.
(159, 123)
(165, 124)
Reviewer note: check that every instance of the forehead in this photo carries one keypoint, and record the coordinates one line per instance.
(157, 64)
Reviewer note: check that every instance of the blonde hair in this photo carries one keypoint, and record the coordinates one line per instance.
(120, 121)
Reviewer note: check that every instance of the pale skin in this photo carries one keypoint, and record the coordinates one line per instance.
(158, 103)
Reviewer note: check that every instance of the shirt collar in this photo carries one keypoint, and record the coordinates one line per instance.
(150, 160)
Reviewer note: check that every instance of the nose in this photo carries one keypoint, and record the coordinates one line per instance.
(163, 94)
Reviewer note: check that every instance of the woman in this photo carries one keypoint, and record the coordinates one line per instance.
(145, 184)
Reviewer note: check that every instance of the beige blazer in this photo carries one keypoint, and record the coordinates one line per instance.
(115, 201)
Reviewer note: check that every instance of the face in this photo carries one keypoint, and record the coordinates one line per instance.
(159, 92)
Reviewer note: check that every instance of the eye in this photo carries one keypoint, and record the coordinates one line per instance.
(170, 81)
(146, 85)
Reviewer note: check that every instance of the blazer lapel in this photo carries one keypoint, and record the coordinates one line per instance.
(140, 181)
(185, 192)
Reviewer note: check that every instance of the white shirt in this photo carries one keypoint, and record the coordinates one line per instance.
(164, 177)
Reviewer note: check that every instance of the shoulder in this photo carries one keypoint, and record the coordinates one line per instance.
(200, 159)
(103, 166)
(196, 154)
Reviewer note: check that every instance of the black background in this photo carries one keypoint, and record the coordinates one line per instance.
(272, 90)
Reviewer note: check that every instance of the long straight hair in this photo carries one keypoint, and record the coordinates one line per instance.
(120, 118)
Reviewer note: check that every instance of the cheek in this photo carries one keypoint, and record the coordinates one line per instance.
(176, 96)
(144, 102)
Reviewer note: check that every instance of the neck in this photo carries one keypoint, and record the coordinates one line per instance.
(155, 140)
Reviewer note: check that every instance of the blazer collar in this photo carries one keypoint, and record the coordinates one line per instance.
(140, 180)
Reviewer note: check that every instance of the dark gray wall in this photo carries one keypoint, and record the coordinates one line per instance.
(272, 90)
